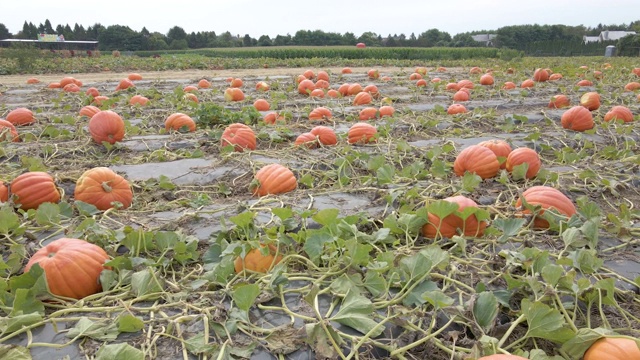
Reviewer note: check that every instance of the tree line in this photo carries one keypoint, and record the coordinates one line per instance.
(123, 38)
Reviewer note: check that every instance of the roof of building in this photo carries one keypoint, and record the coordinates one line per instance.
(614, 35)
(51, 42)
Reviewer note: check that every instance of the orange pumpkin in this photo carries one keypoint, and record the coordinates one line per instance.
(344, 89)
(415, 76)
(421, 70)
(272, 117)
(452, 87)
(134, 77)
(461, 96)
(456, 109)
(527, 84)
(584, 82)
(477, 159)
(475, 70)
(465, 84)
(577, 118)
(361, 133)
(590, 100)
(31, 189)
(125, 84)
(307, 139)
(240, 136)
(326, 136)
(309, 74)
(451, 224)
(613, 349)
(4, 192)
(256, 261)
(346, 70)
(106, 126)
(322, 75)
(179, 122)
(486, 79)
(373, 74)
(332, 93)
(72, 267)
(99, 100)
(509, 85)
(540, 75)
(190, 88)
(421, 83)
(321, 84)
(354, 89)
(204, 84)
(362, 98)
(549, 199)
(67, 80)
(236, 83)
(524, 155)
(273, 179)
(555, 77)
(8, 132)
(320, 114)
(501, 148)
(261, 105)
(93, 92)
(619, 112)
(54, 85)
(372, 89)
(138, 100)
(632, 86)
(306, 86)
(233, 94)
(33, 81)
(71, 88)
(103, 188)
(21, 116)
(368, 113)
(317, 93)
(89, 111)
(559, 101)
(386, 110)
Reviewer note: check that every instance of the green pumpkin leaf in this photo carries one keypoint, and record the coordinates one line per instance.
(146, 282)
(314, 244)
(326, 217)
(244, 295)
(438, 299)
(508, 226)
(14, 352)
(104, 330)
(130, 323)
(11, 324)
(355, 312)
(121, 351)
(485, 310)
(582, 341)
(414, 298)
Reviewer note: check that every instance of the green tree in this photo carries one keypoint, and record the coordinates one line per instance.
(246, 40)
(264, 40)
(4, 32)
(176, 33)
(157, 41)
(628, 46)
(79, 33)
(282, 40)
(179, 44)
(118, 37)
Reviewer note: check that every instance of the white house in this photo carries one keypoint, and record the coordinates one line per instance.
(487, 39)
(590, 39)
(614, 35)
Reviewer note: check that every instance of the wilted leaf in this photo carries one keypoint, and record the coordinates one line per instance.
(355, 312)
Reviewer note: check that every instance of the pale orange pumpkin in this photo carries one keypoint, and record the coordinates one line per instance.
(326, 136)
(477, 159)
(204, 84)
(272, 117)
(322, 75)
(386, 110)
(273, 179)
(233, 94)
(373, 74)
(421, 83)
(138, 100)
(134, 77)
(590, 100)
(179, 122)
(501, 148)
(368, 113)
(306, 86)
(527, 84)
(236, 83)
(93, 92)
(31, 189)
(320, 114)
(559, 101)
(261, 105)
(8, 132)
(577, 118)
(72, 267)
(346, 70)
(103, 188)
(20, 116)
(361, 133)
(461, 96)
(619, 112)
(455, 109)
(549, 199)
(106, 126)
(125, 84)
(317, 93)
(453, 223)
(508, 85)
(523, 155)
(89, 111)
(306, 139)
(613, 349)
(632, 86)
(240, 136)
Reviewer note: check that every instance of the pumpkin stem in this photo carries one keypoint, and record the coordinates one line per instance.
(106, 187)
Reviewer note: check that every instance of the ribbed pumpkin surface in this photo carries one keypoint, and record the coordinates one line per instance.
(449, 226)
(101, 187)
(34, 188)
(549, 199)
(240, 136)
(613, 349)
(72, 267)
(477, 159)
(274, 179)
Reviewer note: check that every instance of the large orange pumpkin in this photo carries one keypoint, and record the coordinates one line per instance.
(619, 112)
(540, 75)
(306, 86)
(477, 159)
(8, 132)
(306, 139)
(102, 187)
(31, 189)
(21, 116)
(451, 224)
(326, 136)
(106, 126)
(386, 110)
(125, 84)
(486, 79)
(361, 133)
(72, 267)
(527, 84)
(179, 122)
(273, 179)
(362, 98)
(461, 96)
(368, 113)
(547, 198)
(134, 77)
(501, 148)
(254, 260)
(613, 349)
(454, 109)
(577, 118)
(240, 136)
(233, 94)
(524, 155)
(590, 100)
(261, 105)
(138, 100)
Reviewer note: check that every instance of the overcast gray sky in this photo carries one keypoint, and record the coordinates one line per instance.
(275, 17)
